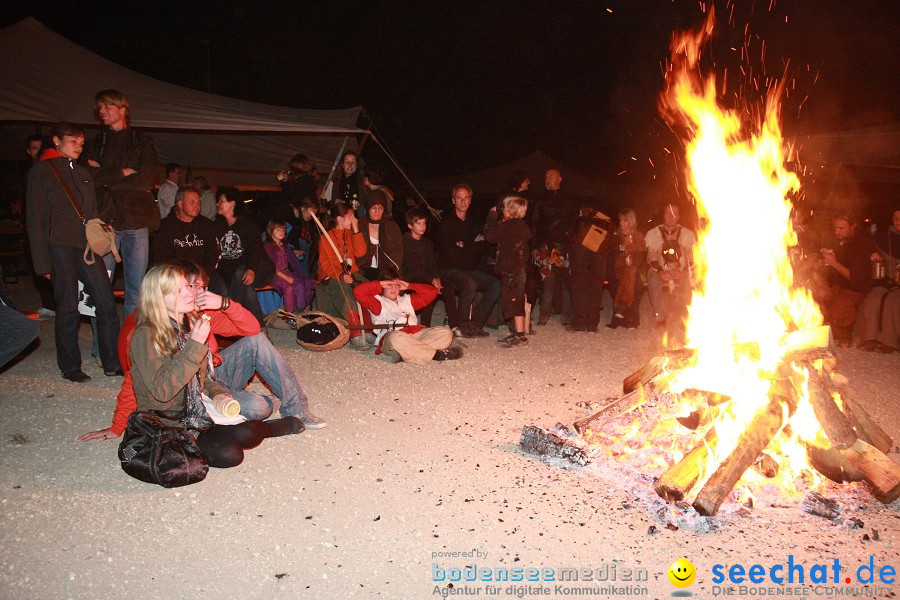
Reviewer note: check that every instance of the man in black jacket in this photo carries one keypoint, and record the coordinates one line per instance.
(184, 236)
(124, 165)
(459, 242)
(554, 217)
(419, 258)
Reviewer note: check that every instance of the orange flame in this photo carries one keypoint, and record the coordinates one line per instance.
(744, 291)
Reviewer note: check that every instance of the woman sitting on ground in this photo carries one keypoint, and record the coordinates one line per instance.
(170, 359)
(243, 264)
(338, 271)
(290, 279)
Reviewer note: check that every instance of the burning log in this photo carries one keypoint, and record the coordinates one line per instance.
(832, 463)
(835, 424)
(766, 466)
(808, 344)
(609, 412)
(683, 475)
(537, 440)
(758, 435)
(668, 360)
(880, 473)
(866, 429)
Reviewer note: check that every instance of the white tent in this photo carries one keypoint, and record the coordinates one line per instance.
(45, 78)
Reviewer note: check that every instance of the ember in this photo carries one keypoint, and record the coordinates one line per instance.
(756, 385)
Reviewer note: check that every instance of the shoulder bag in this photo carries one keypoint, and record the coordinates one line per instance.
(101, 237)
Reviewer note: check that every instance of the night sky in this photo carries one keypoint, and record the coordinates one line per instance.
(454, 86)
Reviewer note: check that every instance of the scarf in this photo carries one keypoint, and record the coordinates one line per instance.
(193, 413)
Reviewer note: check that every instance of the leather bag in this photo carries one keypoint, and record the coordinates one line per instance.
(156, 453)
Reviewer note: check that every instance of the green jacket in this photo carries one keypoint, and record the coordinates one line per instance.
(159, 381)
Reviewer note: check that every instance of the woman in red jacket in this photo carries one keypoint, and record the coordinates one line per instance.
(338, 271)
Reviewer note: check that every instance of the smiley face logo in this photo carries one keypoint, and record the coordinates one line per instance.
(682, 573)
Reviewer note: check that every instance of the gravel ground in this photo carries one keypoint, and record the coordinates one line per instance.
(415, 461)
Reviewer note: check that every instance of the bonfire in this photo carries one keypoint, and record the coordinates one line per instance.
(755, 384)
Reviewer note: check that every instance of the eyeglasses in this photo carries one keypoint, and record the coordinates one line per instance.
(197, 287)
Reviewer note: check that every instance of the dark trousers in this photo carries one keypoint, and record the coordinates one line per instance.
(246, 294)
(588, 270)
(424, 315)
(67, 266)
(45, 289)
(459, 294)
(555, 294)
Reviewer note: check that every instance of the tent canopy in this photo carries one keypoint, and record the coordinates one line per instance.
(45, 78)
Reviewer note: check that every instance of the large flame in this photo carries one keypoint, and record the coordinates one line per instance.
(744, 300)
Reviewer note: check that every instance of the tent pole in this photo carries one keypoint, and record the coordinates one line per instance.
(363, 142)
(434, 212)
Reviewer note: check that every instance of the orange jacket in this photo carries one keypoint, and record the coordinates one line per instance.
(350, 245)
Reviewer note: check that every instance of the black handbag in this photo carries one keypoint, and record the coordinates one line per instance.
(156, 453)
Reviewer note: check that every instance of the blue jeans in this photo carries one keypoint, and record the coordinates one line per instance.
(109, 261)
(256, 354)
(459, 294)
(17, 332)
(67, 266)
(134, 246)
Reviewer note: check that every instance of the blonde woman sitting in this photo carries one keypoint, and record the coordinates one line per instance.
(170, 360)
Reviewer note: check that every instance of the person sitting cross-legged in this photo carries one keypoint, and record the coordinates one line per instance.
(409, 341)
(234, 365)
(171, 372)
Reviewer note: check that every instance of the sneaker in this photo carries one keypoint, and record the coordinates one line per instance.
(46, 312)
(311, 421)
(451, 353)
(78, 376)
(114, 372)
(513, 341)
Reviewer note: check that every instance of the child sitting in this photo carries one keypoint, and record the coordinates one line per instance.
(290, 279)
(511, 236)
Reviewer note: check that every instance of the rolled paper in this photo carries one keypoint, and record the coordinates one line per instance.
(227, 405)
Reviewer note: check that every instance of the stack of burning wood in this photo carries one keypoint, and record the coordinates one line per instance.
(856, 448)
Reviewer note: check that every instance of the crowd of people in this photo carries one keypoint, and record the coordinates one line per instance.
(549, 253)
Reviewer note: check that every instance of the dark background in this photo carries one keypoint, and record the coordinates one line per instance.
(455, 86)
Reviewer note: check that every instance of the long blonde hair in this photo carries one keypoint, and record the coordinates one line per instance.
(159, 281)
